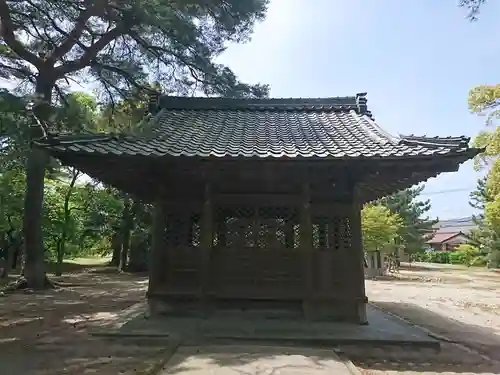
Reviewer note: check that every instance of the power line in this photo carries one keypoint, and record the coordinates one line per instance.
(447, 191)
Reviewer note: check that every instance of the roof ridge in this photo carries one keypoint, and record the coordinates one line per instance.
(337, 103)
(435, 141)
(378, 131)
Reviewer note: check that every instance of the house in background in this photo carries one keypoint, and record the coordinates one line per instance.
(447, 241)
(449, 234)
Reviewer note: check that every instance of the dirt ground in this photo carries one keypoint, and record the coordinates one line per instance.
(460, 306)
(47, 333)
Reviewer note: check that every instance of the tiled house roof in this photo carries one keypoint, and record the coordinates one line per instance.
(440, 237)
(339, 127)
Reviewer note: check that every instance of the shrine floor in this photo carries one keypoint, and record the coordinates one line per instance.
(383, 330)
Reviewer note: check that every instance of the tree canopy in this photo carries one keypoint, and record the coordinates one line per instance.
(380, 227)
(484, 100)
(121, 48)
(125, 45)
(415, 225)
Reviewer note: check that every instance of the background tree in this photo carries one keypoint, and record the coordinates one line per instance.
(415, 227)
(484, 100)
(380, 227)
(14, 123)
(473, 7)
(60, 223)
(121, 46)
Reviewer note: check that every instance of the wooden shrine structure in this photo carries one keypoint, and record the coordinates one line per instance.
(258, 201)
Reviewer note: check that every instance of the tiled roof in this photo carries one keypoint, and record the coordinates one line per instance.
(339, 127)
(440, 237)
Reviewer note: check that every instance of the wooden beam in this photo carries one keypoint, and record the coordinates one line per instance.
(356, 258)
(206, 241)
(306, 238)
(257, 200)
(157, 257)
(157, 246)
(142, 175)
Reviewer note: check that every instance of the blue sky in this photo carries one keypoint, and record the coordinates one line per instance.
(416, 59)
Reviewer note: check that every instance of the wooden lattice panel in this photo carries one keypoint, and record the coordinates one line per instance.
(258, 249)
(332, 247)
(182, 240)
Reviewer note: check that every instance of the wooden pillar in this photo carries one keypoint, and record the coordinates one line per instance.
(222, 230)
(322, 233)
(206, 240)
(306, 245)
(357, 259)
(289, 234)
(255, 222)
(157, 258)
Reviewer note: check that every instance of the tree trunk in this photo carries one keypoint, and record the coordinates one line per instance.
(375, 265)
(37, 160)
(18, 254)
(126, 228)
(4, 268)
(12, 255)
(139, 251)
(61, 244)
(9, 247)
(59, 258)
(139, 241)
(116, 246)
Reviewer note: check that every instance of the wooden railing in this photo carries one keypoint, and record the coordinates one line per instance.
(256, 272)
(253, 272)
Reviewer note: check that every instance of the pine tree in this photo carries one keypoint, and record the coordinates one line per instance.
(121, 46)
(416, 227)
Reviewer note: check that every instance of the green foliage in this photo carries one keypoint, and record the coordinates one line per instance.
(380, 228)
(484, 100)
(78, 113)
(120, 46)
(13, 126)
(493, 259)
(465, 254)
(415, 226)
(80, 215)
(123, 45)
(88, 227)
(437, 257)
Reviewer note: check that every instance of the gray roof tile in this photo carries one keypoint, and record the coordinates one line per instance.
(324, 127)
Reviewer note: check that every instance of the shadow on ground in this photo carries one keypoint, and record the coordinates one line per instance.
(51, 327)
(464, 348)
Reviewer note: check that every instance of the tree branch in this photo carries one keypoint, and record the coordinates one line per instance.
(74, 35)
(7, 32)
(16, 71)
(127, 76)
(89, 54)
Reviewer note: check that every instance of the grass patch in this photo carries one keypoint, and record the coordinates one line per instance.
(89, 261)
(79, 264)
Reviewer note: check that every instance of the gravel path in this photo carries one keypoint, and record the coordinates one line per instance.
(460, 305)
(47, 333)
